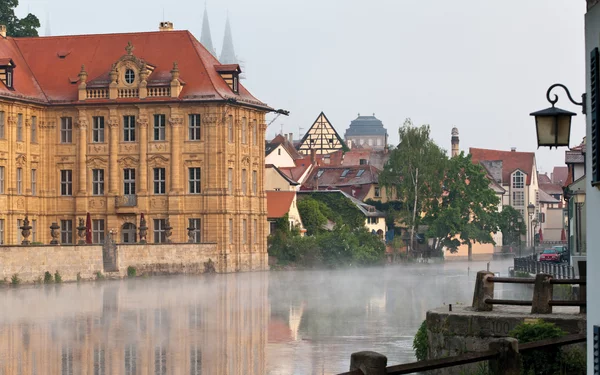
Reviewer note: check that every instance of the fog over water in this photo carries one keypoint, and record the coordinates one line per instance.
(276, 323)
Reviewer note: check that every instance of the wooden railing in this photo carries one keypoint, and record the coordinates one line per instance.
(530, 264)
(503, 356)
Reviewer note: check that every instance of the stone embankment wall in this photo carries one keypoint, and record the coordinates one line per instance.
(31, 262)
(463, 330)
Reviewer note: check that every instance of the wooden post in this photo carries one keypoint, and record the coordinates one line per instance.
(542, 294)
(484, 289)
(370, 363)
(508, 360)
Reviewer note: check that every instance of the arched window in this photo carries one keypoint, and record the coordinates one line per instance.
(518, 180)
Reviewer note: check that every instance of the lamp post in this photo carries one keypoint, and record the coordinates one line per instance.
(553, 125)
(531, 211)
(579, 197)
(519, 221)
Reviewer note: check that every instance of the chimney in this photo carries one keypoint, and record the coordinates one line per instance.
(3, 31)
(513, 149)
(165, 26)
(349, 143)
(291, 137)
(313, 156)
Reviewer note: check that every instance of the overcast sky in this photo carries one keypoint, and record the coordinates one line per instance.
(481, 66)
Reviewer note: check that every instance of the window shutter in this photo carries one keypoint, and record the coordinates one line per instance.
(596, 355)
(595, 111)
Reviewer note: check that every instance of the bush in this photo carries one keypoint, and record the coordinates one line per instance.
(99, 276)
(48, 278)
(131, 271)
(15, 280)
(543, 361)
(57, 277)
(420, 342)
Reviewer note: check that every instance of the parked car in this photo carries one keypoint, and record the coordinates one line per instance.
(563, 251)
(550, 255)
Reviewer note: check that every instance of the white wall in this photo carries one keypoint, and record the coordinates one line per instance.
(592, 36)
(280, 158)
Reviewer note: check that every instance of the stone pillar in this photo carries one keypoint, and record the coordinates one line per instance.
(542, 294)
(508, 360)
(82, 124)
(143, 126)
(113, 165)
(176, 123)
(484, 289)
(370, 363)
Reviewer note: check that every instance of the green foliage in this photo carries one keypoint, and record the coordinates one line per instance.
(131, 271)
(24, 27)
(48, 278)
(467, 212)
(413, 172)
(3, 281)
(525, 275)
(391, 209)
(15, 280)
(543, 361)
(420, 342)
(339, 209)
(482, 369)
(57, 277)
(312, 217)
(512, 226)
(573, 362)
(99, 276)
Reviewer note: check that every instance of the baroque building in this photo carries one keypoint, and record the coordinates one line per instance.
(120, 125)
(367, 131)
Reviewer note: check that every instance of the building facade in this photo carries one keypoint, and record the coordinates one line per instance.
(367, 131)
(153, 125)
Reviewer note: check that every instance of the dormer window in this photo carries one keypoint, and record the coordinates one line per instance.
(6, 72)
(129, 76)
(231, 75)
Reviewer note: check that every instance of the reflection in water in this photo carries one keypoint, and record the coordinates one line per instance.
(279, 323)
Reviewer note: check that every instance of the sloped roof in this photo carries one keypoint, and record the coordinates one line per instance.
(287, 177)
(278, 203)
(338, 176)
(43, 75)
(559, 175)
(544, 179)
(511, 161)
(547, 198)
(295, 173)
(365, 125)
(287, 145)
(551, 188)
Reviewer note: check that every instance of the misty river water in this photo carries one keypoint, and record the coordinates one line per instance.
(276, 323)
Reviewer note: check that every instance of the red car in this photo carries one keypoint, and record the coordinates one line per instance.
(550, 255)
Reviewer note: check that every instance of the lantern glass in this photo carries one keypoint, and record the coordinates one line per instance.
(553, 127)
(580, 197)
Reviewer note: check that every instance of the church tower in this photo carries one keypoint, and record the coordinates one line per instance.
(205, 37)
(455, 150)
(227, 52)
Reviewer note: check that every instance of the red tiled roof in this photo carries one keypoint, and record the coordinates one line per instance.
(295, 173)
(331, 177)
(511, 161)
(551, 188)
(559, 175)
(278, 203)
(42, 74)
(543, 179)
(287, 145)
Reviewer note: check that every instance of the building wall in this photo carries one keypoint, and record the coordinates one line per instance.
(378, 193)
(214, 154)
(378, 225)
(294, 214)
(553, 226)
(592, 40)
(280, 158)
(275, 182)
(480, 252)
(376, 142)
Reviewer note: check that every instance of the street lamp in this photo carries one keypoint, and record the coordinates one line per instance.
(519, 221)
(553, 125)
(579, 197)
(531, 211)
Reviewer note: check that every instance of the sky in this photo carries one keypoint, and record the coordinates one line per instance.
(481, 66)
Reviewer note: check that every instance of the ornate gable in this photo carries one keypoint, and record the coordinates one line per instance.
(321, 137)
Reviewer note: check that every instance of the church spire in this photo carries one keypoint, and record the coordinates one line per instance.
(205, 37)
(227, 52)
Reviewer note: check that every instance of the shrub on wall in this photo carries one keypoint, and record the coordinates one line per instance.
(57, 277)
(131, 271)
(48, 278)
(420, 342)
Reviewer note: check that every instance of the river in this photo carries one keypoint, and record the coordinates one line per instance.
(275, 323)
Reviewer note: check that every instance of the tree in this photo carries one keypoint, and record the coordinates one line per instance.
(312, 218)
(467, 212)
(16, 27)
(414, 172)
(512, 226)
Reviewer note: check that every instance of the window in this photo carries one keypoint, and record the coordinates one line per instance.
(1, 231)
(20, 127)
(254, 133)
(1, 180)
(244, 130)
(320, 173)
(129, 76)
(67, 360)
(254, 182)
(66, 182)
(33, 182)
(128, 128)
(230, 128)
(66, 130)
(244, 231)
(66, 231)
(159, 128)
(518, 180)
(34, 230)
(97, 181)
(2, 124)
(98, 129)
(230, 231)
(19, 181)
(194, 128)
(360, 173)
(98, 231)
(372, 220)
(518, 198)
(278, 151)
(230, 181)
(363, 161)
(255, 231)
(129, 181)
(195, 223)
(377, 191)
(195, 360)
(244, 184)
(160, 185)
(99, 361)
(159, 230)
(130, 359)
(194, 180)
(160, 360)
(9, 78)
(33, 129)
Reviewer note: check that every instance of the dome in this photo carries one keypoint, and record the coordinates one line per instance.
(365, 126)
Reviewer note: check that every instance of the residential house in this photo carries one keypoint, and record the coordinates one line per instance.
(277, 180)
(575, 200)
(518, 177)
(359, 181)
(321, 138)
(551, 218)
(559, 175)
(281, 152)
(280, 203)
(575, 161)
